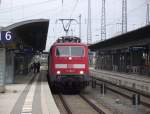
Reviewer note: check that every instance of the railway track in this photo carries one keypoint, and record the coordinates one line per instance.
(122, 90)
(145, 94)
(76, 104)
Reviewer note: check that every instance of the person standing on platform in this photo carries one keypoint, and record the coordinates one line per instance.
(38, 67)
(34, 67)
(31, 68)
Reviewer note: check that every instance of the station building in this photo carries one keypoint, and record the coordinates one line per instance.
(128, 52)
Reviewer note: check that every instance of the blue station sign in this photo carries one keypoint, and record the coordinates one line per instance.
(6, 36)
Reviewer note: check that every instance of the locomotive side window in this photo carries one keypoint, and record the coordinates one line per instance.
(65, 51)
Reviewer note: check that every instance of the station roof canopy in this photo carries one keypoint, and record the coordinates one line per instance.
(139, 36)
(31, 33)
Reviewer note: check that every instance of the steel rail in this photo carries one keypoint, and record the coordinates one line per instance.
(120, 93)
(123, 87)
(92, 104)
(65, 104)
(127, 96)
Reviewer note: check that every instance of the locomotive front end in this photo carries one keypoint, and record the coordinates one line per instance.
(71, 66)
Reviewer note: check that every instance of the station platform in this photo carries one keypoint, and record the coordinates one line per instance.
(135, 81)
(30, 94)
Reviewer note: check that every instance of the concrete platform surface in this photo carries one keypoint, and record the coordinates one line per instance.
(139, 82)
(17, 95)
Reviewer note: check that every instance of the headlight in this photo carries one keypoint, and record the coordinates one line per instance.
(70, 58)
(58, 72)
(81, 72)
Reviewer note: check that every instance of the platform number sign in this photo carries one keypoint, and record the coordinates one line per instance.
(6, 36)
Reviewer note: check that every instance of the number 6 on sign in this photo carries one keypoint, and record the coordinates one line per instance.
(8, 35)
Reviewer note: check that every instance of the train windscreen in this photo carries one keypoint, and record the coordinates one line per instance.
(65, 51)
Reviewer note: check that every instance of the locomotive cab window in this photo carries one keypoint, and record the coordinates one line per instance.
(65, 51)
(62, 51)
(77, 51)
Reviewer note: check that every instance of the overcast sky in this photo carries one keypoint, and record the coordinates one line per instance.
(12, 11)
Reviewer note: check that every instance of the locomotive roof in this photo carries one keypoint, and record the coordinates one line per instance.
(65, 39)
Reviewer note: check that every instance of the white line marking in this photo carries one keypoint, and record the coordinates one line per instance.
(27, 107)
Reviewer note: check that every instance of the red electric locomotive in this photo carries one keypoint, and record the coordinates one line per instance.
(68, 64)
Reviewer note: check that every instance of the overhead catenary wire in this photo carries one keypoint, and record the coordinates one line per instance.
(47, 1)
(53, 10)
(71, 15)
(129, 12)
(68, 20)
(7, 9)
(36, 14)
(74, 8)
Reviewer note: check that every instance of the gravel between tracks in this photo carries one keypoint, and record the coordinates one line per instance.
(109, 104)
(76, 104)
